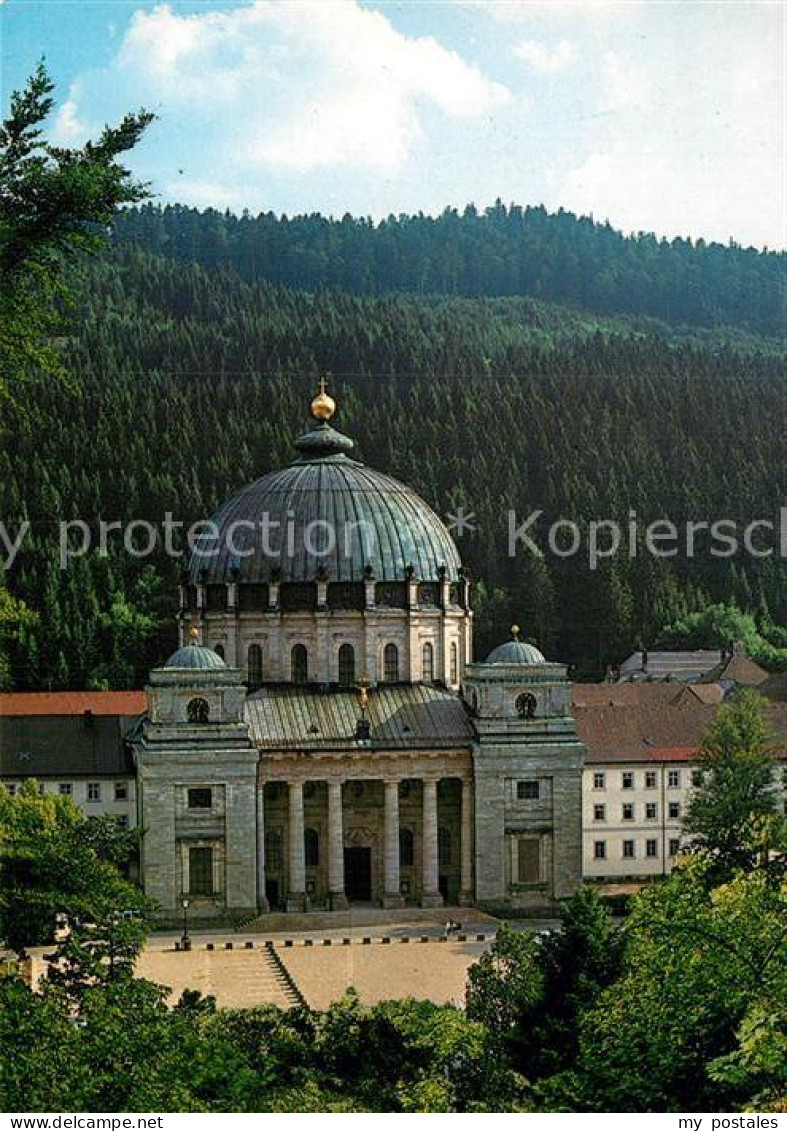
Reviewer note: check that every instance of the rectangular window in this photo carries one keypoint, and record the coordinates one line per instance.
(200, 871)
(529, 860)
(11, 787)
(122, 820)
(121, 791)
(674, 846)
(527, 791)
(697, 778)
(200, 798)
(674, 810)
(673, 779)
(650, 779)
(651, 848)
(651, 812)
(94, 791)
(627, 780)
(628, 849)
(599, 781)
(599, 812)
(599, 850)
(65, 789)
(628, 812)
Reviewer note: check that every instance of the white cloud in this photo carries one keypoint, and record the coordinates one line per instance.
(524, 11)
(545, 58)
(687, 153)
(299, 86)
(69, 128)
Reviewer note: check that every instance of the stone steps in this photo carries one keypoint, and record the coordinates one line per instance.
(358, 916)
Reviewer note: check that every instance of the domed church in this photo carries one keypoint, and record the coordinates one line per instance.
(322, 737)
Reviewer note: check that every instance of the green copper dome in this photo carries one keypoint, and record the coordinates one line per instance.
(195, 656)
(326, 515)
(515, 651)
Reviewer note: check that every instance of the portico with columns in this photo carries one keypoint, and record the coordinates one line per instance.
(385, 819)
(358, 838)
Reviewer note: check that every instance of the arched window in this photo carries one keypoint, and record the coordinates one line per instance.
(427, 663)
(219, 650)
(444, 846)
(454, 663)
(198, 711)
(255, 666)
(391, 664)
(273, 854)
(300, 664)
(347, 665)
(311, 848)
(406, 848)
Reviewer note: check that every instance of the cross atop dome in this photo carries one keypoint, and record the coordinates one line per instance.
(323, 406)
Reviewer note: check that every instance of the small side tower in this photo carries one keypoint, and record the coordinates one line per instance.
(528, 765)
(197, 774)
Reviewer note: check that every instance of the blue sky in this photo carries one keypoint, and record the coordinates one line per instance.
(659, 116)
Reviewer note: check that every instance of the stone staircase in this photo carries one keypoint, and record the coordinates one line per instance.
(237, 978)
(267, 981)
(284, 979)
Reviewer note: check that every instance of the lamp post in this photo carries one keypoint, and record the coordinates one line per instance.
(185, 941)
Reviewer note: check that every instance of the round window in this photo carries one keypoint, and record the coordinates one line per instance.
(526, 705)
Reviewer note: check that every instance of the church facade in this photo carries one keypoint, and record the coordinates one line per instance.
(322, 736)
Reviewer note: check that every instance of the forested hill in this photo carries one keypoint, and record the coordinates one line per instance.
(499, 251)
(188, 381)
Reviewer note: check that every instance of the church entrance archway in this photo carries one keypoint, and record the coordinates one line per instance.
(358, 873)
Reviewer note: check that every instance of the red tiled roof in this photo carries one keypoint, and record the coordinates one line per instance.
(16, 703)
(651, 722)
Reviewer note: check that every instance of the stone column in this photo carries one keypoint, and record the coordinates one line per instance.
(262, 899)
(466, 847)
(392, 896)
(430, 896)
(296, 887)
(336, 896)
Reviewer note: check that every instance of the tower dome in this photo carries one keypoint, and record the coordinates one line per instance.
(515, 651)
(193, 655)
(328, 516)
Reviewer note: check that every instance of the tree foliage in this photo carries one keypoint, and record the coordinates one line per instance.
(55, 203)
(55, 860)
(732, 816)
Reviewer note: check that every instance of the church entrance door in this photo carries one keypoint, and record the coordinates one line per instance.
(358, 874)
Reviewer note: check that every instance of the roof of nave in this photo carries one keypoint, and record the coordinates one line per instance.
(285, 716)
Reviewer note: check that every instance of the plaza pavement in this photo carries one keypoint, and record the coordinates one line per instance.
(415, 960)
(382, 955)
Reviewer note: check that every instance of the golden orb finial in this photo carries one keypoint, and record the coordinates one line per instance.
(515, 630)
(323, 407)
(194, 634)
